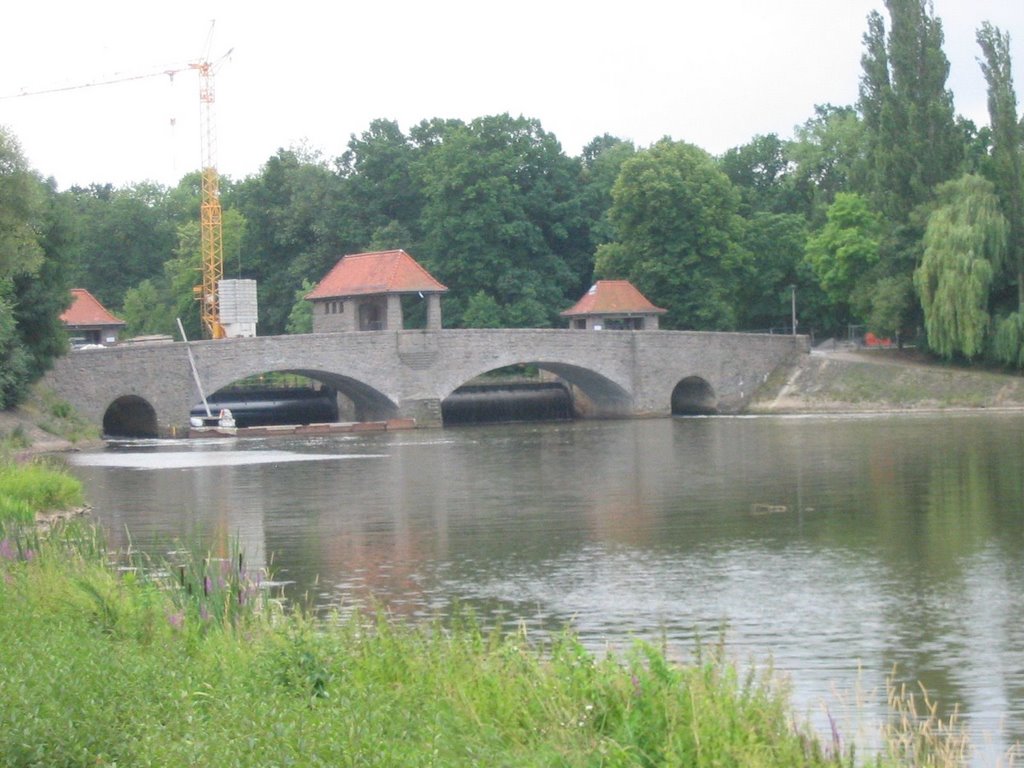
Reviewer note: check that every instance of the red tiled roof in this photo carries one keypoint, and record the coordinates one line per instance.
(613, 297)
(374, 273)
(86, 310)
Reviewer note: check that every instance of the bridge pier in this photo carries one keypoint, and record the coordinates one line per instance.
(426, 411)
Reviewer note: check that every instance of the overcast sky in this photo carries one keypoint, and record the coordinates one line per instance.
(714, 73)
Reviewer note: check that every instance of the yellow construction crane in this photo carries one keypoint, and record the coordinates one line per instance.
(211, 232)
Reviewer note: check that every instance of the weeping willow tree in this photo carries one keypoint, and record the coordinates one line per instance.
(965, 242)
(1008, 340)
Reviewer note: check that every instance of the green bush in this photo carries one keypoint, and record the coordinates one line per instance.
(60, 409)
(38, 487)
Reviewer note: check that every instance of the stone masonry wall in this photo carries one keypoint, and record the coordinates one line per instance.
(408, 373)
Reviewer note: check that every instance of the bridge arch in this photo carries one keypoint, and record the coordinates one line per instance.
(368, 403)
(130, 416)
(694, 396)
(593, 393)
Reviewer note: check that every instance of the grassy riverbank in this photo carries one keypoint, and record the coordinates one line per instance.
(44, 423)
(193, 663)
(105, 667)
(883, 380)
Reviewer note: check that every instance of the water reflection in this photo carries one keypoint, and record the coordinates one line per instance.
(839, 547)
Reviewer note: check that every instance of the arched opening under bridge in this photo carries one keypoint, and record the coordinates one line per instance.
(512, 393)
(693, 396)
(130, 416)
(534, 391)
(298, 397)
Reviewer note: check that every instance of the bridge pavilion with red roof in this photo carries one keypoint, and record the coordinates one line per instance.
(365, 292)
(613, 305)
(87, 321)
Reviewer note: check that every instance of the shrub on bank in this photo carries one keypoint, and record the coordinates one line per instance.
(29, 488)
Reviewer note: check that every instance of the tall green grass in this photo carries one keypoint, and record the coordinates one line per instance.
(189, 662)
(26, 489)
(105, 666)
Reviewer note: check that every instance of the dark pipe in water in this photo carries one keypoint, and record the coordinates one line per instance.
(267, 407)
(488, 403)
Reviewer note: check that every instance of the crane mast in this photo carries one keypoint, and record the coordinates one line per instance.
(211, 232)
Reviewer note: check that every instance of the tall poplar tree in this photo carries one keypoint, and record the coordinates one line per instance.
(912, 144)
(1006, 170)
(913, 141)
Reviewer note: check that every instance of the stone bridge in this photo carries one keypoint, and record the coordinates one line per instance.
(150, 389)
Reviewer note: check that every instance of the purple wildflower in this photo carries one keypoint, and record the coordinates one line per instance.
(7, 550)
(837, 741)
(176, 620)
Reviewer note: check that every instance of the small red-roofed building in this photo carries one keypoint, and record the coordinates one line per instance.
(365, 292)
(613, 305)
(88, 322)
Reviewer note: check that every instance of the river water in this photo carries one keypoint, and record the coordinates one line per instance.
(835, 548)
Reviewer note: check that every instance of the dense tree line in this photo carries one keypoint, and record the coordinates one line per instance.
(35, 241)
(892, 214)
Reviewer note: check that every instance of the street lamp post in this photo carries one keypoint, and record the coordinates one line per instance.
(792, 295)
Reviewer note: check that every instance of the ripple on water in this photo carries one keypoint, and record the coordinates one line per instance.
(202, 459)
